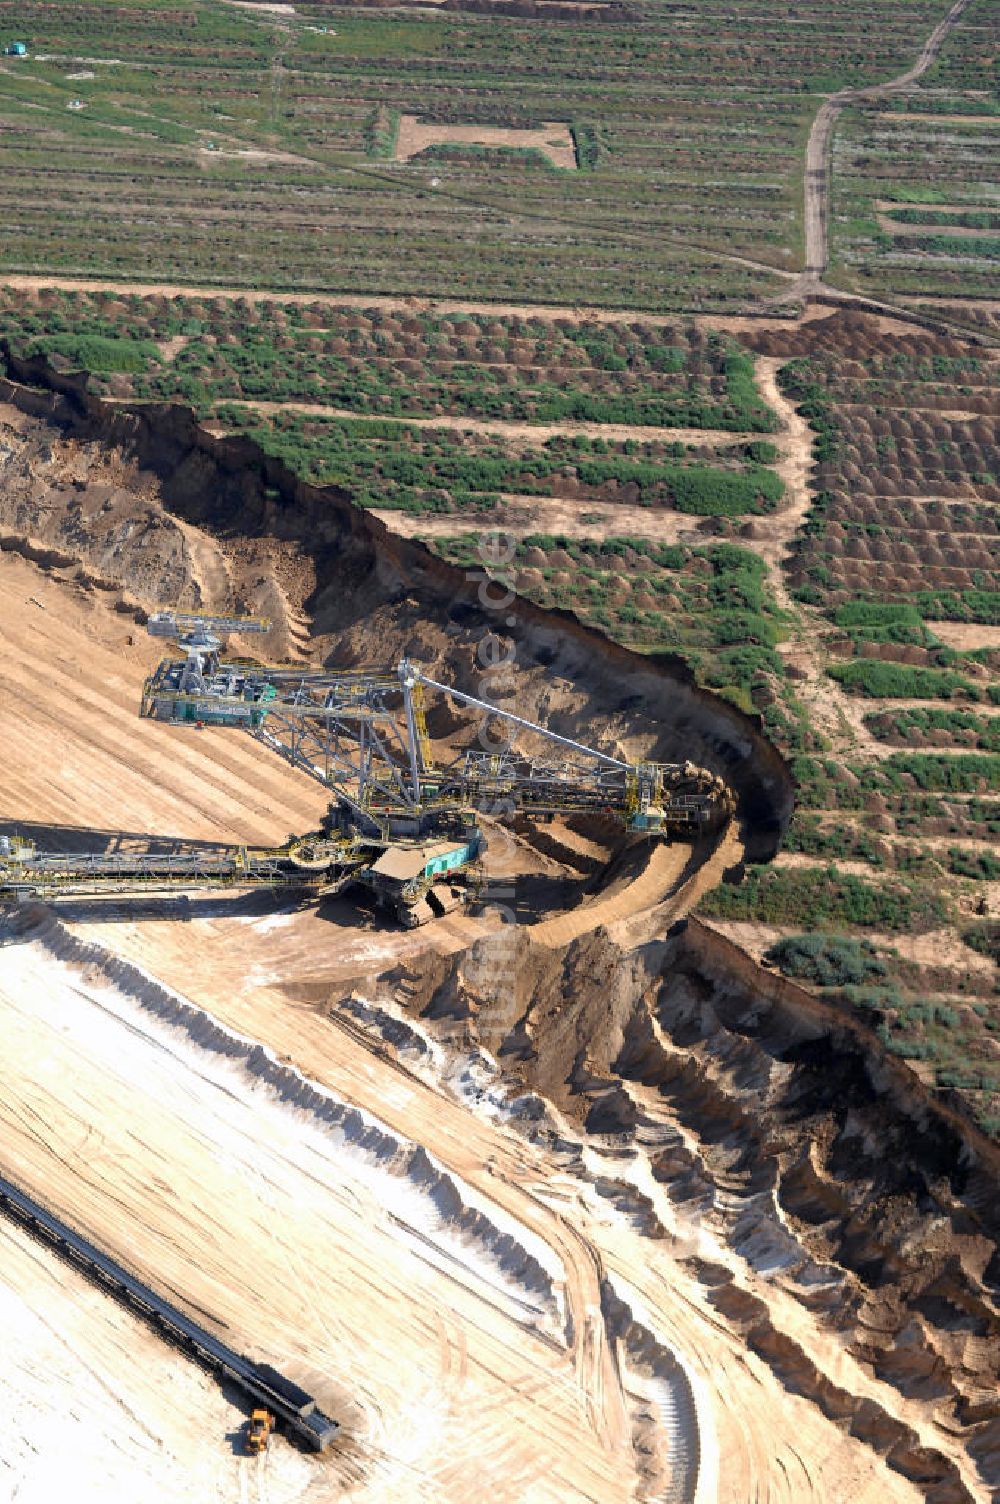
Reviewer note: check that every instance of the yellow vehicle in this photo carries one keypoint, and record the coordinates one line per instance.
(259, 1429)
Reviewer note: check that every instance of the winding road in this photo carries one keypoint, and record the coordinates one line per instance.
(817, 169)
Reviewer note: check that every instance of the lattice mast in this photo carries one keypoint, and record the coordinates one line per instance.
(363, 735)
(401, 823)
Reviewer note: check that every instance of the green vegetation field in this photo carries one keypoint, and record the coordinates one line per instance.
(393, 362)
(895, 664)
(395, 466)
(954, 1041)
(215, 145)
(907, 488)
(915, 200)
(709, 605)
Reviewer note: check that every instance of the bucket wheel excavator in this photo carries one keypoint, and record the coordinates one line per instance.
(403, 821)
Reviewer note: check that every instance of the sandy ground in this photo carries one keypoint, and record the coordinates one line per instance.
(168, 348)
(103, 766)
(571, 517)
(282, 1225)
(524, 435)
(272, 9)
(251, 153)
(552, 138)
(503, 1327)
(966, 636)
(109, 772)
(529, 1335)
(81, 1370)
(979, 708)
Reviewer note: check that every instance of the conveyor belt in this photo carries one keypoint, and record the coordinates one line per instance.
(296, 1409)
(67, 874)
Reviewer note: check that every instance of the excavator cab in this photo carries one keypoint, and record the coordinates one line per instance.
(259, 1429)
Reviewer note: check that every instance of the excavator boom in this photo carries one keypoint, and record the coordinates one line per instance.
(401, 822)
(363, 735)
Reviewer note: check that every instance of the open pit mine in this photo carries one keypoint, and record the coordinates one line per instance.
(378, 1121)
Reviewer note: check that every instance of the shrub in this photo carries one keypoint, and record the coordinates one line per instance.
(818, 897)
(96, 353)
(731, 627)
(970, 219)
(896, 681)
(967, 1078)
(587, 145)
(827, 960)
(876, 614)
(987, 246)
(960, 605)
(704, 492)
(674, 358)
(981, 865)
(381, 132)
(810, 837)
(907, 1049)
(896, 631)
(761, 451)
(961, 774)
(740, 388)
(898, 725)
(739, 665)
(796, 379)
(984, 938)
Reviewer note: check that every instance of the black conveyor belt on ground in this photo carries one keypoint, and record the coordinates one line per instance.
(296, 1409)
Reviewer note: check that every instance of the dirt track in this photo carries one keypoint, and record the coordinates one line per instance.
(529, 433)
(817, 167)
(390, 303)
(523, 515)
